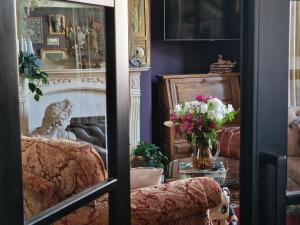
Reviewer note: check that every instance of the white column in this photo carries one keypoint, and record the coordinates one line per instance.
(23, 106)
(134, 120)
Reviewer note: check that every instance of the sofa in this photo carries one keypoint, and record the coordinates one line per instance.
(54, 170)
(293, 159)
(93, 133)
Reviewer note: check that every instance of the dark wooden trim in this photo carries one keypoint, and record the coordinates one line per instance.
(118, 112)
(264, 103)
(277, 164)
(11, 192)
(248, 78)
(71, 204)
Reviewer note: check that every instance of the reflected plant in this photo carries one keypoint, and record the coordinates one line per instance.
(29, 66)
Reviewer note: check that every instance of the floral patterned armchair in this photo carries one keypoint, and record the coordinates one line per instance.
(54, 170)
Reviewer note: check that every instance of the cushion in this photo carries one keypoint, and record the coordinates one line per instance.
(71, 166)
(145, 177)
(229, 142)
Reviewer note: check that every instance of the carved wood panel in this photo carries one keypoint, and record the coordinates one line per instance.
(139, 30)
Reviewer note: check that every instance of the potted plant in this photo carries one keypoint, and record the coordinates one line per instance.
(29, 67)
(148, 155)
(199, 121)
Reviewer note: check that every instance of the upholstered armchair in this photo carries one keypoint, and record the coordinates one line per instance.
(293, 159)
(54, 170)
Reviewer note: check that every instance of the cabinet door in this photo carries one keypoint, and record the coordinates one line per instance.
(224, 87)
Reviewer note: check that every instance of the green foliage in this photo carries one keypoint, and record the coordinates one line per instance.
(151, 154)
(29, 66)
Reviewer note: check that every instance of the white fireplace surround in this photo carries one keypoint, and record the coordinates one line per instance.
(81, 87)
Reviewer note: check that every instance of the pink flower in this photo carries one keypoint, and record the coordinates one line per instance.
(212, 126)
(201, 98)
(173, 117)
(199, 123)
(186, 127)
(188, 117)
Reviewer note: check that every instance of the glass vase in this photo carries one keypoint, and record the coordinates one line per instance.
(202, 158)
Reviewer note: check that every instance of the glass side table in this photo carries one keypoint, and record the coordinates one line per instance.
(225, 172)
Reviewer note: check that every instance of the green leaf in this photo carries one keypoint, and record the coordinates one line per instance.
(39, 92)
(36, 97)
(32, 87)
(45, 80)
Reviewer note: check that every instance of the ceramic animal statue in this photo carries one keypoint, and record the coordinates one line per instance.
(56, 118)
(220, 214)
(223, 61)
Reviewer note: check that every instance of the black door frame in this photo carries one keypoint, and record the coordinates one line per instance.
(264, 105)
(118, 187)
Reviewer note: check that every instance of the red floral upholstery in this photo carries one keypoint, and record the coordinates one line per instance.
(40, 194)
(163, 204)
(71, 166)
(66, 167)
(229, 141)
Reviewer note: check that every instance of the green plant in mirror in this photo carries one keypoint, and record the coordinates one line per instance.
(29, 66)
(151, 154)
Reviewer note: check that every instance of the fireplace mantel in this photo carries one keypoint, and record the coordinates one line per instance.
(80, 87)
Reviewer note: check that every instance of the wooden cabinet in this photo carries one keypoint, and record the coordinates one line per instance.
(175, 89)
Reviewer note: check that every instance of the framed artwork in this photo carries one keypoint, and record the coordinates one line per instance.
(53, 54)
(33, 28)
(53, 41)
(57, 24)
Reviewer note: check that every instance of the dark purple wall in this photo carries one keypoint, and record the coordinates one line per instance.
(169, 57)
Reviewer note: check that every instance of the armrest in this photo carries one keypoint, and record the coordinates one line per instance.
(71, 166)
(174, 200)
(39, 194)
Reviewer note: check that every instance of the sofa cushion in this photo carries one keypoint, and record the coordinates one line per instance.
(93, 133)
(71, 166)
(229, 142)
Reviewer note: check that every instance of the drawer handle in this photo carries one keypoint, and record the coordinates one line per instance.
(203, 81)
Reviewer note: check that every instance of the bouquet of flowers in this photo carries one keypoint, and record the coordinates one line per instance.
(198, 121)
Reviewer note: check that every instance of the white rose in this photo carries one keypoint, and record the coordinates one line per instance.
(229, 108)
(218, 116)
(215, 115)
(210, 115)
(177, 108)
(217, 103)
(203, 108)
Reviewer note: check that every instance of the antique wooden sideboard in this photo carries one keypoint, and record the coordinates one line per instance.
(175, 89)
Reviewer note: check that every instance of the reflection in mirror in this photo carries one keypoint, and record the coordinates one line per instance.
(293, 126)
(62, 90)
(293, 149)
